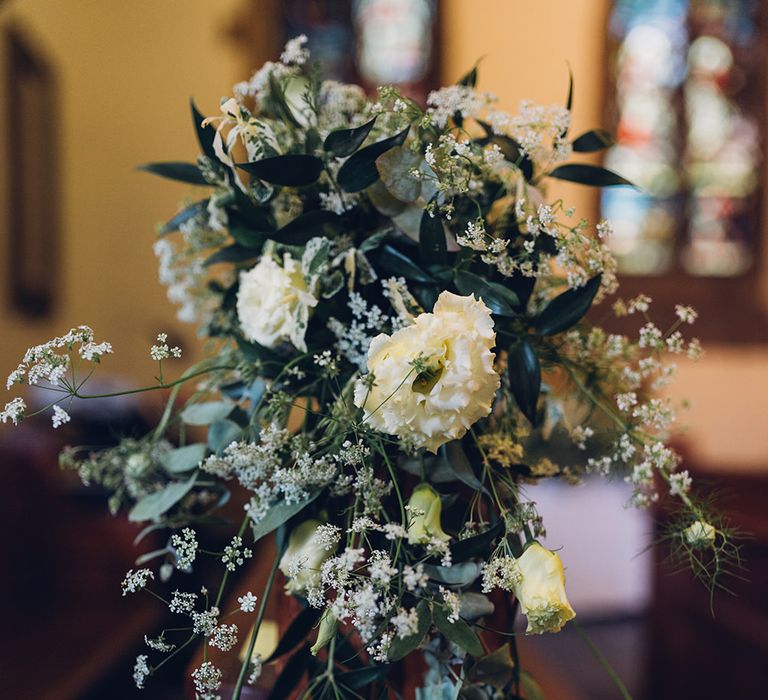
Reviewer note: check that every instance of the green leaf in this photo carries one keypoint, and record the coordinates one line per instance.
(174, 170)
(314, 223)
(496, 668)
(469, 79)
(402, 646)
(495, 296)
(206, 412)
(592, 175)
(359, 170)
(384, 201)
(531, 689)
(395, 167)
(397, 263)
(222, 433)
(182, 459)
(473, 606)
(184, 215)
(291, 170)
(247, 237)
(459, 463)
(569, 99)
(524, 377)
(567, 309)
(292, 674)
(234, 253)
(455, 575)
(479, 545)
(362, 677)
(459, 632)
(432, 239)
(155, 504)
(278, 514)
(297, 631)
(594, 140)
(205, 134)
(344, 142)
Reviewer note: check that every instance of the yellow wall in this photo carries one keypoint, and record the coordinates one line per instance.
(126, 71)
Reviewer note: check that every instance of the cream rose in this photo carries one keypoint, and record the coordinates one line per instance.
(540, 588)
(434, 379)
(303, 558)
(274, 301)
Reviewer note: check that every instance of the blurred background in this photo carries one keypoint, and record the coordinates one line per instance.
(89, 89)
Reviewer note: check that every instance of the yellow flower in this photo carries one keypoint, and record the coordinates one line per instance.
(434, 379)
(303, 559)
(700, 534)
(541, 590)
(424, 524)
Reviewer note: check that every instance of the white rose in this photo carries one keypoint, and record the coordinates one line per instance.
(273, 302)
(303, 558)
(700, 534)
(453, 383)
(540, 589)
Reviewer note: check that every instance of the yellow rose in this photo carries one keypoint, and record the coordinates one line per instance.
(425, 526)
(434, 379)
(541, 590)
(303, 559)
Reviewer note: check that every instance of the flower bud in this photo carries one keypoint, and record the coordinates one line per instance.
(424, 519)
(303, 558)
(699, 534)
(541, 590)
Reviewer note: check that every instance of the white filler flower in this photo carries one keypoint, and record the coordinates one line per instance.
(273, 302)
(434, 379)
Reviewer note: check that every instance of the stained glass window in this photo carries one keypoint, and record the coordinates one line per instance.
(688, 104)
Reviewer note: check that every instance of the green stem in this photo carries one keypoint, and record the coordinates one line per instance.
(252, 642)
(603, 661)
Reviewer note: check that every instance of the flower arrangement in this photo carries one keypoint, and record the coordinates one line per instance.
(398, 345)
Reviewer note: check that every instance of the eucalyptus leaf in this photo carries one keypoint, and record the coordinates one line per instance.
(182, 459)
(384, 201)
(459, 632)
(156, 504)
(290, 170)
(496, 297)
(206, 412)
(222, 433)
(402, 646)
(455, 575)
(524, 377)
(395, 167)
(278, 514)
(432, 239)
(149, 556)
(473, 606)
(594, 140)
(344, 142)
(567, 309)
(496, 668)
(359, 170)
(586, 174)
(174, 170)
